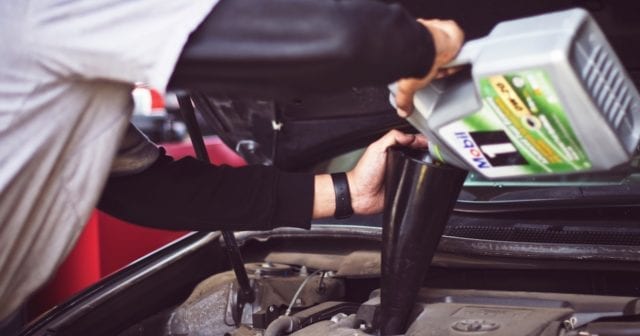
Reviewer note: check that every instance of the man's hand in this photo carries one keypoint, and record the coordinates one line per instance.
(366, 180)
(447, 39)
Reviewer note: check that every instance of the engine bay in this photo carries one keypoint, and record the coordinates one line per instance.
(300, 300)
(316, 287)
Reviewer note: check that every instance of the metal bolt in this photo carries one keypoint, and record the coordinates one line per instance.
(571, 323)
(276, 125)
(339, 317)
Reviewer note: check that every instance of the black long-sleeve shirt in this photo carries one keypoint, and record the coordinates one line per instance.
(189, 194)
(304, 43)
(296, 43)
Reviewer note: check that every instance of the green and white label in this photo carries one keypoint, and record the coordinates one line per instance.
(522, 129)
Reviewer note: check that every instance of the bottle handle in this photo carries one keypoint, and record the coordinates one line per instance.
(468, 53)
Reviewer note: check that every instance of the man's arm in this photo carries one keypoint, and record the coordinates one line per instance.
(189, 194)
(304, 43)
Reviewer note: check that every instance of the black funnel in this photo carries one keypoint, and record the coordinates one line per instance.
(419, 196)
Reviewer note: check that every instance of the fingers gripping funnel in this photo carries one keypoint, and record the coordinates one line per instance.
(420, 194)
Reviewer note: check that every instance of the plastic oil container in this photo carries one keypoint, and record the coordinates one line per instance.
(545, 95)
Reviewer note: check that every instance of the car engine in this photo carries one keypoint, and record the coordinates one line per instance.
(300, 300)
(380, 290)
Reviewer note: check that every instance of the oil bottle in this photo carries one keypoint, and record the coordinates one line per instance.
(544, 95)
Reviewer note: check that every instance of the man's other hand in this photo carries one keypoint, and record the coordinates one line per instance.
(447, 39)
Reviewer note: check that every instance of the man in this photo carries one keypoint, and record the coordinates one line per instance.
(67, 69)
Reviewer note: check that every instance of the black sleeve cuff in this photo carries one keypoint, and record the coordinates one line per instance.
(294, 200)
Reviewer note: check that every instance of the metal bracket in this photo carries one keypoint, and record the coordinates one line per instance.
(245, 292)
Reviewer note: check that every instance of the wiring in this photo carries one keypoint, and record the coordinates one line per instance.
(304, 283)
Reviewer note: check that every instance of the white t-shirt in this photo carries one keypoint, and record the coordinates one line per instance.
(67, 69)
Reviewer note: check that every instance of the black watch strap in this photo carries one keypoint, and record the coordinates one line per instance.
(343, 196)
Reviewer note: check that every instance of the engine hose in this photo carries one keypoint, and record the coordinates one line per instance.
(283, 324)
